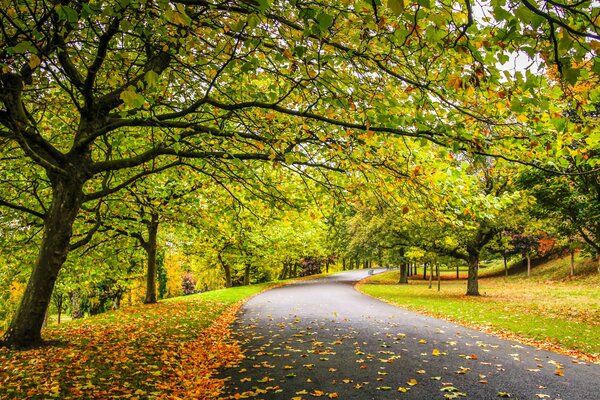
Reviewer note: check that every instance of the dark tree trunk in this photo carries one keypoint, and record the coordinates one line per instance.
(284, 271)
(150, 247)
(439, 277)
(246, 274)
(528, 256)
(59, 302)
(473, 278)
(226, 270)
(457, 271)
(343, 264)
(403, 273)
(430, 275)
(26, 325)
(424, 271)
(505, 264)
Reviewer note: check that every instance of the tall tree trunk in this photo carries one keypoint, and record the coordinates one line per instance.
(403, 273)
(76, 305)
(505, 264)
(59, 306)
(343, 264)
(424, 271)
(246, 274)
(572, 271)
(284, 270)
(150, 247)
(430, 275)
(473, 277)
(439, 278)
(226, 270)
(457, 271)
(26, 325)
(528, 256)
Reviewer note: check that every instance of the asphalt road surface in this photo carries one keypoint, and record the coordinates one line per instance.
(322, 339)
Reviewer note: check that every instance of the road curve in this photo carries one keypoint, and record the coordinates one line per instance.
(322, 338)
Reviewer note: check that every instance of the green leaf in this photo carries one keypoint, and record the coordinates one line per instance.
(67, 13)
(131, 98)
(22, 47)
(151, 78)
(325, 21)
(397, 6)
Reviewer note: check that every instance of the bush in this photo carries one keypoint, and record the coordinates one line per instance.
(188, 284)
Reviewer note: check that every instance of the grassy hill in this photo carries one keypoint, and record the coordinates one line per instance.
(550, 309)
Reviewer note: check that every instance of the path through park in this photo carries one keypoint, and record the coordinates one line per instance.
(322, 339)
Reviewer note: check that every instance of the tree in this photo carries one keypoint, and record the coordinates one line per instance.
(98, 95)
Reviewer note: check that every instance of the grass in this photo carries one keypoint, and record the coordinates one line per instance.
(561, 314)
(163, 350)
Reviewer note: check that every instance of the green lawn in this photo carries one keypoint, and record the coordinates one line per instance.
(560, 313)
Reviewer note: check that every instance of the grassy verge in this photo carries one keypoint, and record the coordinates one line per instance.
(166, 350)
(562, 316)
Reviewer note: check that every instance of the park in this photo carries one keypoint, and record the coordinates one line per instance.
(290, 199)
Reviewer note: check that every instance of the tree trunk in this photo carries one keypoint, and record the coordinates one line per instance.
(424, 271)
(284, 271)
(343, 264)
(439, 278)
(247, 274)
(76, 305)
(430, 275)
(457, 271)
(226, 270)
(572, 272)
(26, 325)
(505, 264)
(150, 247)
(528, 264)
(403, 273)
(473, 278)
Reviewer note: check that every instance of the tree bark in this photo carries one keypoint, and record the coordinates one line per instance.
(150, 247)
(226, 270)
(505, 264)
(572, 271)
(424, 271)
(472, 280)
(246, 274)
(439, 278)
(284, 271)
(26, 325)
(403, 273)
(528, 256)
(430, 275)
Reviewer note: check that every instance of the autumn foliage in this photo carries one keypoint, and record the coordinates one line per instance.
(166, 351)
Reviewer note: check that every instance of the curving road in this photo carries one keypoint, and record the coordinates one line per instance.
(322, 339)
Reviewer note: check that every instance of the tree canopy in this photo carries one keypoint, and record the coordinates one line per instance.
(97, 96)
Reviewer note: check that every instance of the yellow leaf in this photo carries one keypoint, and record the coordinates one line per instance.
(454, 81)
(436, 352)
(34, 61)
(522, 118)
(412, 382)
(559, 372)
